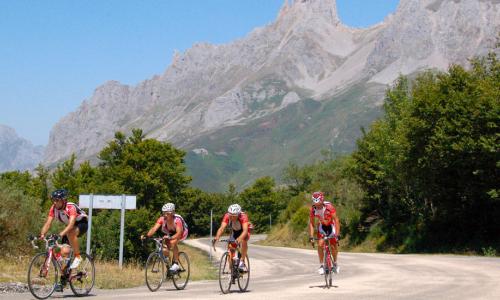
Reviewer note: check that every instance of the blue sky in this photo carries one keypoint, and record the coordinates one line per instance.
(53, 54)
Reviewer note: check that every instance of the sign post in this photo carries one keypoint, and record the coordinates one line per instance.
(211, 225)
(122, 202)
(89, 232)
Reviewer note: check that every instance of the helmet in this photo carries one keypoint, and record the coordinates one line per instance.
(169, 207)
(59, 194)
(234, 209)
(317, 197)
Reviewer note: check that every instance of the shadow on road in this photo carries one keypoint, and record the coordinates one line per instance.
(322, 286)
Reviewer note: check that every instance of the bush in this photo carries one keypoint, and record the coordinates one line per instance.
(20, 216)
(300, 219)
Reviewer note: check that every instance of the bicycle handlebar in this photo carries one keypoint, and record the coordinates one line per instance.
(157, 240)
(226, 241)
(325, 238)
(51, 237)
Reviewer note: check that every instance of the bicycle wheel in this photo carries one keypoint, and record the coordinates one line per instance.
(155, 271)
(244, 276)
(181, 277)
(82, 278)
(225, 273)
(327, 267)
(42, 276)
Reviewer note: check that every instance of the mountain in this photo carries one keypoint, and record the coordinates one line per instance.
(285, 92)
(17, 153)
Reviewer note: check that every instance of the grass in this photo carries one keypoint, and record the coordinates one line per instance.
(284, 236)
(108, 274)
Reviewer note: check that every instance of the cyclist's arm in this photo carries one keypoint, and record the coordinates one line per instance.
(71, 223)
(244, 233)
(337, 223)
(46, 226)
(311, 226)
(153, 230)
(220, 231)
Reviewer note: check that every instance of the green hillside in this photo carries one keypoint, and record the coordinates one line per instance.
(298, 133)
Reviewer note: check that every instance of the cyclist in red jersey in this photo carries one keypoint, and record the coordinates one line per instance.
(240, 230)
(76, 224)
(174, 226)
(328, 225)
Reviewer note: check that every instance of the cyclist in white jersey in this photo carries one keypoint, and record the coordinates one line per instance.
(74, 218)
(173, 225)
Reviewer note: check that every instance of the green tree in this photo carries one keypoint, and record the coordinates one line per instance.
(152, 170)
(261, 201)
(430, 165)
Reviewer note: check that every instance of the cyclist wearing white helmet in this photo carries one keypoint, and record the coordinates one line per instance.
(328, 225)
(174, 226)
(240, 229)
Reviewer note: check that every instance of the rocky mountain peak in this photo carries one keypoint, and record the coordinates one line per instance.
(17, 153)
(307, 53)
(310, 10)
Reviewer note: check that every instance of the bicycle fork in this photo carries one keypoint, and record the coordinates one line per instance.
(328, 258)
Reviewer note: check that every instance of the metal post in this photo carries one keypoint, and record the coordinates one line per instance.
(122, 225)
(211, 225)
(270, 223)
(91, 204)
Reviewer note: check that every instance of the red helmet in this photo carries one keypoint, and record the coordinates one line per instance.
(317, 197)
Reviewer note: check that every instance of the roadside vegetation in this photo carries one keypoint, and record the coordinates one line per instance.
(108, 273)
(425, 177)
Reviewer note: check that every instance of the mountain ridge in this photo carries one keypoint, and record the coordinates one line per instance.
(306, 53)
(17, 153)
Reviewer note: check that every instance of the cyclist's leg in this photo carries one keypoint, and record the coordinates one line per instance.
(322, 232)
(244, 249)
(166, 248)
(334, 245)
(174, 242)
(175, 249)
(321, 244)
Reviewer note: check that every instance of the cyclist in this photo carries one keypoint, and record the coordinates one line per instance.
(172, 225)
(328, 226)
(240, 230)
(76, 224)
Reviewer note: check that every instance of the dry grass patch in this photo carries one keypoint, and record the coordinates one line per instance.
(108, 274)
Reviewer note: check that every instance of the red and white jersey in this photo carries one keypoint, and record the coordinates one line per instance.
(178, 220)
(237, 225)
(325, 214)
(63, 215)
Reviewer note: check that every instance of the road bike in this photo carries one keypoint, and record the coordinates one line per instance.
(229, 271)
(45, 267)
(327, 259)
(157, 263)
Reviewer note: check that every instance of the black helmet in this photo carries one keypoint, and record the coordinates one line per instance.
(60, 194)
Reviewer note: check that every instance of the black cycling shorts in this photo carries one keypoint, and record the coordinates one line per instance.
(83, 226)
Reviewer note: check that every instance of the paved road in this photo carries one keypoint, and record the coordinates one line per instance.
(283, 273)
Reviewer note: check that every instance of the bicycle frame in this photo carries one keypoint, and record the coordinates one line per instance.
(159, 250)
(327, 259)
(50, 244)
(232, 256)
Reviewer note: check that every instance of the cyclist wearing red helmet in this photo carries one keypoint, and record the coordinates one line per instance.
(328, 226)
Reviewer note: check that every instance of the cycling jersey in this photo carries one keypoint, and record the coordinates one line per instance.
(71, 209)
(242, 219)
(237, 226)
(325, 214)
(178, 220)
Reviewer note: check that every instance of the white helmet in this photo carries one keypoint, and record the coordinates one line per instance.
(169, 207)
(234, 209)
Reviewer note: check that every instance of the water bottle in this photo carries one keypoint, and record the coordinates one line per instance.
(57, 253)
